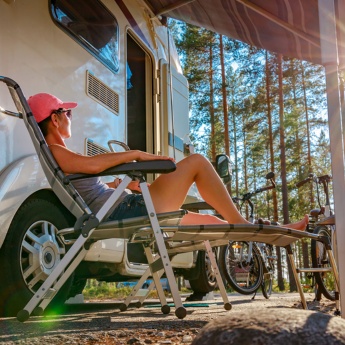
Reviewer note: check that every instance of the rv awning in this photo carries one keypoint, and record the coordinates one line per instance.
(311, 30)
(289, 27)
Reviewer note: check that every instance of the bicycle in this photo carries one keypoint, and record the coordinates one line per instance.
(322, 223)
(247, 266)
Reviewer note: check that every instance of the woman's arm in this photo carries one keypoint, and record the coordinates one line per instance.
(73, 163)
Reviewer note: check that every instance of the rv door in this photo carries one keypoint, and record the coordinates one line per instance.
(174, 111)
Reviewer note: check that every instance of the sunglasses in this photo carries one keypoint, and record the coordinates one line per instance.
(68, 112)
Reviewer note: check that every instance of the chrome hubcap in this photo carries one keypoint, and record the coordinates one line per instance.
(41, 251)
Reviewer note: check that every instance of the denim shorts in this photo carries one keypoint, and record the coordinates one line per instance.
(132, 205)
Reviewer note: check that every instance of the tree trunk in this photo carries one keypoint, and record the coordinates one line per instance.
(212, 118)
(235, 150)
(274, 192)
(280, 278)
(305, 247)
(310, 169)
(305, 251)
(225, 102)
(270, 137)
(282, 143)
(293, 286)
(225, 105)
(245, 173)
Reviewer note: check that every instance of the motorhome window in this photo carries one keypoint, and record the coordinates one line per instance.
(91, 24)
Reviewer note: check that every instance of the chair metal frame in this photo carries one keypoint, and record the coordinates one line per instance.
(161, 235)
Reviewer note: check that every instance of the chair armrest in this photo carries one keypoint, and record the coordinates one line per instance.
(145, 167)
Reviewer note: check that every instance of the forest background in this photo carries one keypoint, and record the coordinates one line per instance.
(265, 111)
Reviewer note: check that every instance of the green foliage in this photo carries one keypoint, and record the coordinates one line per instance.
(103, 290)
(246, 77)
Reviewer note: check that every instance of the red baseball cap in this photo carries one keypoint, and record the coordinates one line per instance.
(43, 104)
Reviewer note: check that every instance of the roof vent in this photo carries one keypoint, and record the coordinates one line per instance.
(102, 93)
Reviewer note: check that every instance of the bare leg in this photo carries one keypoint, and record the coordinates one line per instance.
(168, 191)
(206, 219)
(301, 225)
(192, 218)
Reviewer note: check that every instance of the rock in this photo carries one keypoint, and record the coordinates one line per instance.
(187, 339)
(273, 326)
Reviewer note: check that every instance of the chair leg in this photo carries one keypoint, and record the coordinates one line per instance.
(152, 285)
(180, 311)
(296, 276)
(227, 304)
(156, 275)
(135, 290)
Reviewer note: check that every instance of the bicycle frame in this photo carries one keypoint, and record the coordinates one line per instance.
(244, 254)
(324, 224)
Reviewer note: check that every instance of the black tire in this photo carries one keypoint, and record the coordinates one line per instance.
(206, 280)
(267, 281)
(243, 277)
(319, 257)
(29, 253)
(77, 287)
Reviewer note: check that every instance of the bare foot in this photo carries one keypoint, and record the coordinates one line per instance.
(300, 225)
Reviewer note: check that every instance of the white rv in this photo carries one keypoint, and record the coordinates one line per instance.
(114, 58)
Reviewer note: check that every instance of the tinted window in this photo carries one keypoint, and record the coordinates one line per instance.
(91, 25)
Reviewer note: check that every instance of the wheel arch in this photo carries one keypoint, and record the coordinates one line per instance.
(49, 195)
(21, 181)
(42, 194)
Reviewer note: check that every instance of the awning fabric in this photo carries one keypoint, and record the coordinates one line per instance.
(289, 27)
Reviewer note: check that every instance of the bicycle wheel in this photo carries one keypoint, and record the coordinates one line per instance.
(242, 270)
(267, 281)
(324, 280)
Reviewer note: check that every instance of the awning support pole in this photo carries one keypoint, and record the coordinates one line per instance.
(329, 53)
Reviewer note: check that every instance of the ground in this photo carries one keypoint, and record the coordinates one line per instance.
(103, 323)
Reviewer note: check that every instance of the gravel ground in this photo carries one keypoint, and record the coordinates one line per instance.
(102, 323)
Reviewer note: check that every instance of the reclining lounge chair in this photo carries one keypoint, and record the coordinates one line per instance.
(160, 233)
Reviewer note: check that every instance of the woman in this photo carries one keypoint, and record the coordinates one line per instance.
(168, 191)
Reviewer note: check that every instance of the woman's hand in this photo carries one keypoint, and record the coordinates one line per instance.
(115, 183)
(134, 186)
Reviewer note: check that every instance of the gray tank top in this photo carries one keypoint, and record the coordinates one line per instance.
(95, 193)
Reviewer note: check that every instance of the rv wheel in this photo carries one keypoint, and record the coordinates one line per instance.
(206, 280)
(29, 254)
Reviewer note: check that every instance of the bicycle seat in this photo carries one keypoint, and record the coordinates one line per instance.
(317, 211)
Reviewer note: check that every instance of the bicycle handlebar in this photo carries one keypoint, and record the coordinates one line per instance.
(324, 178)
(301, 183)
(248, 195)
(319, 179)
(262, 189)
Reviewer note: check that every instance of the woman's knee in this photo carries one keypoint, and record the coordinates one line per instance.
(193, 165)
(198, 159)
